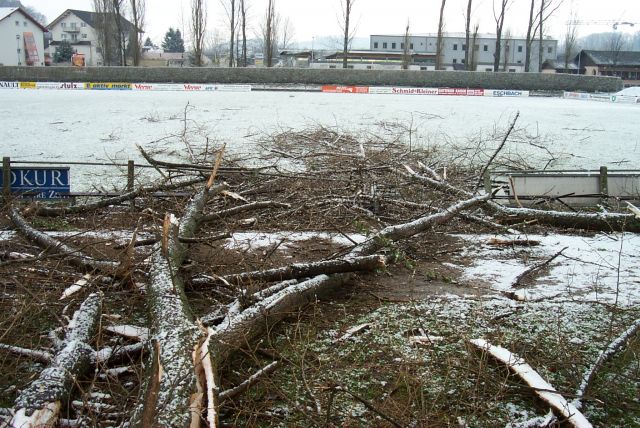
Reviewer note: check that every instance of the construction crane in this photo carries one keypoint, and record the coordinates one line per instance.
(613, 24)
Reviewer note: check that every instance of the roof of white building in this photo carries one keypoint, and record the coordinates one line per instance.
(455, 35)
(7, 11)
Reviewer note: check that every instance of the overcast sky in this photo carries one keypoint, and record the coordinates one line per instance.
(315, 18)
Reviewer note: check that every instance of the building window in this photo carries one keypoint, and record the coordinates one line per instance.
(332, 66)
(384, 45)
(488, 69)
(63, 24)
(423, 68)
(17, 23)
(84, 35)
(520, 48)
(63, 36)
(410, 45)
(464, 47)
(369, 67)
(18, 50)
(486, 48)
(24, 23)
(375, 45)
(74, 37)
(512, 70)
(519, 62)
(455, 46)
(462, 61)
(83, 24)
(401, 45)
(455, 61)
(550, 49)
(393, 45)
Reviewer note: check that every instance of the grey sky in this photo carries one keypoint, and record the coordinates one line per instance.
(315, 18)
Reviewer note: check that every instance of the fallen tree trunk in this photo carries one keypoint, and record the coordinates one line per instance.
(181, 375)
(71, 255)
(304, 270)
(238, 330)
(591, 221)
(39, 404)
(541, 387)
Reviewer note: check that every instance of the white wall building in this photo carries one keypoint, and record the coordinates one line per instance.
(454, 47)
(21, 38)
(78, 27)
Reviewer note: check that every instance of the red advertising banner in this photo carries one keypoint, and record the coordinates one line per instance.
(334, 89)
(461, 92)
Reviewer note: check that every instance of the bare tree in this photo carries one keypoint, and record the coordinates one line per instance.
(439, 42)
(103, 27)
(507, 49)
(269, 32)
(243, 25)
(539, 13)
(473, 58)
(230, 9)
(285, 32)
(198, 29)
(215, 46)
(617, 43)
(116, 15)
(406, 52)
(138, 9)
(347, 7)
(499, 18)
(570, 42)
(467, 36)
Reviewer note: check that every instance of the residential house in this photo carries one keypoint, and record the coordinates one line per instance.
(512, 55)
(82, 29)
(623, 64)
(21, 38)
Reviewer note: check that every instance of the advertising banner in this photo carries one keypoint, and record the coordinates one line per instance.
(576, 95)
(60, 85)
(40, 182)
(500, 93)
(9, 85)
(109, 86)
(157, 87)
(27, 85)
(334, 89)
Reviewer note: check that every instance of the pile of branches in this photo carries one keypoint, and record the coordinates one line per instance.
(317, 180)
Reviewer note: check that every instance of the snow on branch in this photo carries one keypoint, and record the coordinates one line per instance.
(541, 387)
(39, 404)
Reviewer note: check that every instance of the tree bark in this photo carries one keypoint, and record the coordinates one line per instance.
(39, 404)
(439, 41)
(306, 270)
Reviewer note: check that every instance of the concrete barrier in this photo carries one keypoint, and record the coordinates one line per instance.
(284, 76)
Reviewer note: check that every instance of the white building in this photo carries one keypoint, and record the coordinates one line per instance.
(512, 57)
(78, 27)
(21, 38)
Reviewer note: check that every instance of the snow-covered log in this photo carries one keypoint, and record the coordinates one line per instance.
(45, 210)
(306, 270)
(181, 373)
(606, 355)
(39, 404)
(254, 206)
(541, 387)
(53, 246)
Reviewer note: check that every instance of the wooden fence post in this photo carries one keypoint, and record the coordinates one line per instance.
(604, 184)
(6, 178)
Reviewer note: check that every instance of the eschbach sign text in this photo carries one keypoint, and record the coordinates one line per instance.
(40, 182)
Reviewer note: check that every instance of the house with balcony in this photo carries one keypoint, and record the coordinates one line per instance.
(82, 29)
(21, 38)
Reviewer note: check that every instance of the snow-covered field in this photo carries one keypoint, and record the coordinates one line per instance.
(105, 125)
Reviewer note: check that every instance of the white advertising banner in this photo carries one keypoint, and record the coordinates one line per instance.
(500, 93)
(9, 85)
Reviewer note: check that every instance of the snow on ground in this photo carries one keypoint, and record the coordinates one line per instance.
(106, 125)
(257, 240)
(634, 91)
(602, 268)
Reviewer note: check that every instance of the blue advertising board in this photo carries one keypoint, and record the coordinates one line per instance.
(40, 182)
